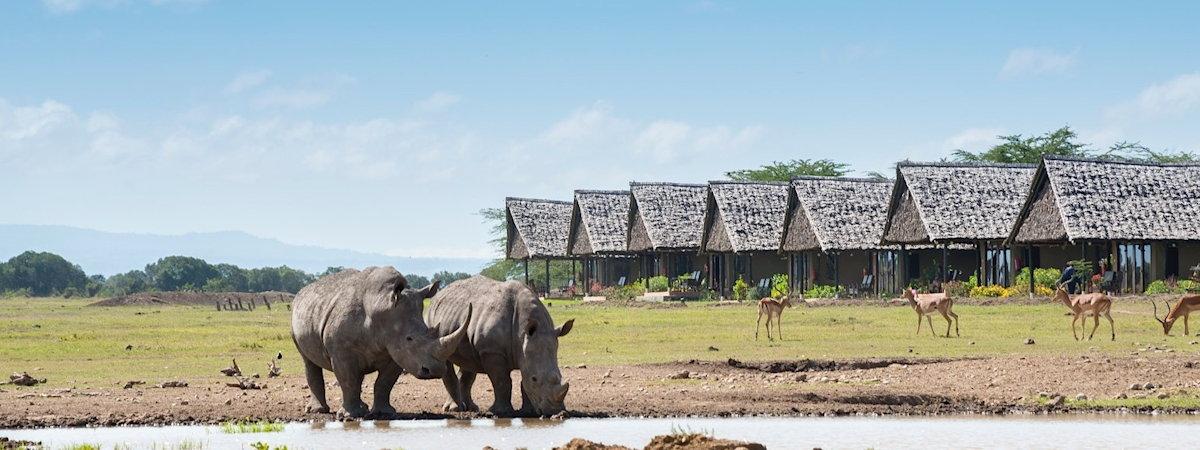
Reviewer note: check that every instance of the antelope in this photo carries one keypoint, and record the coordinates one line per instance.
(1083, 304)
(1186, 305)
(926, 304)
(772, 308)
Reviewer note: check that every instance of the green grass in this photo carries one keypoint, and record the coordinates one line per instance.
(71, 344)
(1174, 402)
(261, 426)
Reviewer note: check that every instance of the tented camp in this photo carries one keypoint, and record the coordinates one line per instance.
(537, 229)
(957, 203)
(599, 230)
(1141, 219)
(832, 235)
(666, 221)
(743, 226)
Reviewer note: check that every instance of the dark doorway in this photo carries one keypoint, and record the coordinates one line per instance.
(912, 267)
(1171, 266)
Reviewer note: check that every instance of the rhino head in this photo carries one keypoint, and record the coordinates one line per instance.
(410, 342)
(541, 381)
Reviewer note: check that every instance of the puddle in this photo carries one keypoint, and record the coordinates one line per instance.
(776, 433)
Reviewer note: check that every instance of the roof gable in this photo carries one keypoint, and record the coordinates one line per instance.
(752, 214)
(844, 213)
(600, 219)
(670, 214)
(959, 202)
(537, 228)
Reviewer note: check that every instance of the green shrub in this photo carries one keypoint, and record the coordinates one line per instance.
(741, 290)
(1041, 277)
(992, 290)
(627, 292)
(780, 286)
(959, 289)
(659, 283)
(823, 291)
(1163, 287)
(1188, 286)
(1158, 287)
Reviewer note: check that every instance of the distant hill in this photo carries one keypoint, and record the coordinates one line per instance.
(110, 253)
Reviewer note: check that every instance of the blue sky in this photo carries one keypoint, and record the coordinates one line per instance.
(385, 127)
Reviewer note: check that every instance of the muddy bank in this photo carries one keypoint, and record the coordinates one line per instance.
(697, 388)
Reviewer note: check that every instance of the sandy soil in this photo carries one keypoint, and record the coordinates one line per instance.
(711, 388)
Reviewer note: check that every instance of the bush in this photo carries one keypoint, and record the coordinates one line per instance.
(780, 286)
(627, 292)
(823, 291)
(1164, 287)
(1041, 277)
(959, 288)
(992, 290)
(658, 284)
(741, 290)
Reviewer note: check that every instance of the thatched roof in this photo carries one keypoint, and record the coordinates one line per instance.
(836, 213)
(1073, 199)
(599, 222)
(666, 216)
(955, 202)
(537, 228)
(744, 216)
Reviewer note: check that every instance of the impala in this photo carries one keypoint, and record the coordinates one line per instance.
(1186, 305)
(772, 308)
(927, 304)
(1082, 305)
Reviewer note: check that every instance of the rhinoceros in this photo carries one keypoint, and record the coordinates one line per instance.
(511, 331)
(357, 322)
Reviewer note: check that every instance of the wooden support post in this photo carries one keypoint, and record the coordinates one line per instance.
(1032, 268)
(526, 264)
(547, 278)
(945, 265)
(837, 276)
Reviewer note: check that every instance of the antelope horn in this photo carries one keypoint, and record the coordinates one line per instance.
(1155, 303)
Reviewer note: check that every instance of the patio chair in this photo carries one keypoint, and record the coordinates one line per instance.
(621, 281)
(1108, 283)
(867, 280)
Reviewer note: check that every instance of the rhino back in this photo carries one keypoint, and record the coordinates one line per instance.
(493, 319)
(331, 311)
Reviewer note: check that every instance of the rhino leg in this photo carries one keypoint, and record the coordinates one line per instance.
(501, 377)
(381, 406)
(450, 382)
(316, 384)
(350, 379)
(465, 382)
(526, 404)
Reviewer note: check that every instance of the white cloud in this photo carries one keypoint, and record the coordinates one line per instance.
(247, 80)
(25, 122)
(439, 101)
(663, 139)
(584, 123)
(1174, 96)
(1036, 61)
(973, 139)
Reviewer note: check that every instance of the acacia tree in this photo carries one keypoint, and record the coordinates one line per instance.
(1016, 148)
(786, 170)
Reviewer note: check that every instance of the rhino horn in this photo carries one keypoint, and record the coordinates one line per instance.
(561, 393)
(447, 344)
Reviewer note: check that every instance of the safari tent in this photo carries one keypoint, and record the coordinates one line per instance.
(537, 229)
(743, 226)
(666, 221)
(968, 204)
(598, 233)
(832, 233)
(1141, 218)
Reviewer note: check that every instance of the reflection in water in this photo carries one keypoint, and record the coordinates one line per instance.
(1100, 431)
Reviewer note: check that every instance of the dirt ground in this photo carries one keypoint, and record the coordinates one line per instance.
(709, 388)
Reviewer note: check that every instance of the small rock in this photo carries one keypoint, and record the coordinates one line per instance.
(713, 349)
(228, 401)
(1057, 401)
(581, 366)
(1029, 341)
(173, 384)
(184, 403)
(1162, 395)
(682, 375)
(1122, 396)
(801, 378)
(607, 374)
(1135, 387)
(1081, 396)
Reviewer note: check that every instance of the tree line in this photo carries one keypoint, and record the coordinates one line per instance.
(43, 274)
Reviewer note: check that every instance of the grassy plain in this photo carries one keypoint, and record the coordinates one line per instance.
(70, 343)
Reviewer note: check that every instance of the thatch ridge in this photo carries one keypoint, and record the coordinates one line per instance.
(751, 214)
(666, 216)
(844, 213)
(955, 202)
(1112, 200)
(537, 228)
(599, 222)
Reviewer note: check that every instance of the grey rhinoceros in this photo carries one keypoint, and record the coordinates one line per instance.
(357, 322)
(511, 331)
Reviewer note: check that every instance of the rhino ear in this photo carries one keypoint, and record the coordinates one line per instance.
(565, 328)
(431, 290)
